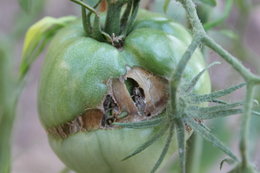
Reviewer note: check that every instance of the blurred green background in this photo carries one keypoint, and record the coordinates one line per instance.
(239, 33)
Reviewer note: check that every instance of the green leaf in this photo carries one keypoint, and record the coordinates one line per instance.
(212, 3)
(166, 5)
(38, 36)
(207, 135)
(26, 5)
(227, 10)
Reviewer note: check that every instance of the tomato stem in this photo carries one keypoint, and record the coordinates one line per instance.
(86, 21)
(91, 9)
(245, 125)
(125, 16)
(112, 25)
(251, 79)
(132, 17)
(116, 26)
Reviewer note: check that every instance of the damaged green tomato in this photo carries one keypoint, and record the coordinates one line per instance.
(87, 85)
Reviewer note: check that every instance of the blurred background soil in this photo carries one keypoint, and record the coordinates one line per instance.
(31, 152)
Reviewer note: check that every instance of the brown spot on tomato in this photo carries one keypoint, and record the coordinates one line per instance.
(136, 96)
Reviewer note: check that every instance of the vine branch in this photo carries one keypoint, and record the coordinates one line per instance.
(248, 76)
(234, 62)
(245, 124)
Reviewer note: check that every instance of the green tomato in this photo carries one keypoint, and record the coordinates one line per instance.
(85, 83)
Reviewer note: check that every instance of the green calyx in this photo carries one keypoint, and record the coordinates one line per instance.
(120, 17)
(191, 111)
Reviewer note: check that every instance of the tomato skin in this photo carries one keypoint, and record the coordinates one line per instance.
(74, 79)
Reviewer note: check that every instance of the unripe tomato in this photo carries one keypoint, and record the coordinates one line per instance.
(86, 85)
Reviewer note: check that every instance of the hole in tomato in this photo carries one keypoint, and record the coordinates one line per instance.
(110, 108)
(137, 94)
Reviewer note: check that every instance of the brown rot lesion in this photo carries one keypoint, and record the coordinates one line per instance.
(110, 110)
(136, 96)
(139, 94)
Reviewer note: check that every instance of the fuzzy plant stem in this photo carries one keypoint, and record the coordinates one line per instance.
(236, 64)
(249, 77)
(194, 151)
(9, 95)
(198, 34)
(245, 124)
(6, 126)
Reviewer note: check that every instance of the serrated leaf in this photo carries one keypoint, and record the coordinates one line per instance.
(38, 36)
(212, 3)
(207, 135)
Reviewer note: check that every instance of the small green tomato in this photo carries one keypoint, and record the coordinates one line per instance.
(86, 85)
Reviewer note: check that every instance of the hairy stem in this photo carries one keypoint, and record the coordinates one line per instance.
(194, 150)
(251, 78)
(193, 17)
(81, 3)
(236, 64)
(6, 126)
(125, 16)
(86, 21)
(245, 124)
(132, 17)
